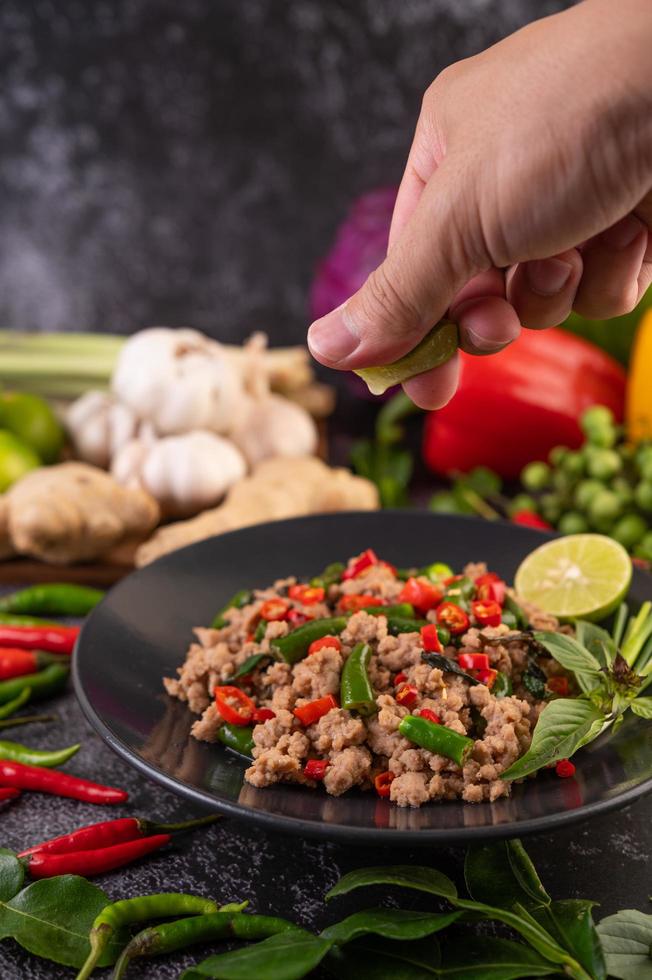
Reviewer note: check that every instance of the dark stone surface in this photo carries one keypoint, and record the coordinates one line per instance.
(187, 163)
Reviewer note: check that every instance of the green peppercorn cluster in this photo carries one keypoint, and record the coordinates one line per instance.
(604, 486)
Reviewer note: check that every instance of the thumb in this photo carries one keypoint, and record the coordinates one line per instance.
(412, 289)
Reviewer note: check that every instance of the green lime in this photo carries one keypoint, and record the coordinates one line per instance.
(573, 464)
(644, 548)
(643, 495)
(622, 488)
(557, 454)
(584, 576)
(16, 459)
(605, 506)
(644, 454)
(33, 421)
(536, 476)
(551, 507)
(646, 469)
(573, 523)
(435, 349)
(596, 417)
(603, 464)
(629, 530)
(585, 492)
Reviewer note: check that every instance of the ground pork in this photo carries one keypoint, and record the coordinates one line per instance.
(337, 730)
(397, 653)
(318, 675)
(364, 628)
(409, 789)
(207, 727)
(347, 768)
(377, 580)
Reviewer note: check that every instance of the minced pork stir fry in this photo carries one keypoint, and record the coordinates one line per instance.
(420, 683)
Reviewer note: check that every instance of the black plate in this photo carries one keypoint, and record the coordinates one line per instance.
(142, 629)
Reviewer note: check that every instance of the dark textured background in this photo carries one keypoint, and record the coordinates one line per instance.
(186, 163)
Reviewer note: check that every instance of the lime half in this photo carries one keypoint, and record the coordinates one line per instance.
(436, 348)
(582, 576)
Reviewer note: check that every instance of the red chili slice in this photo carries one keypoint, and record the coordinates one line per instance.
(353, 603)
(453, 618)
(296, 617)
(400, 678)
(311, 712)
(430, 715)
(527, 518)
(487, 613)
(486, 677)
(274, 609)
(235, 707)
(473, 661)
(333, 642)
(383, 782)
(316, 768)
(558, 685)
(430, 639)
(359, 564)
(308, 595)
(262, 714)
(422, 595)
(491, 586)
(407, 696)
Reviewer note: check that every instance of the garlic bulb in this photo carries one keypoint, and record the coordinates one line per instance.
(273, 426)
(185, 473)
(99, 426)
(179, 380)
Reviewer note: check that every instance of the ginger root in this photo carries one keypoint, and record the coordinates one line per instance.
(73, 512)
(278, 488)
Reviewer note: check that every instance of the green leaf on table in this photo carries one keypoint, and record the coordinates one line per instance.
(597, 641)
(564, 726)
(571, 924)
(12, 875)
(569, 653)
(486, 958)
(389, 923)
(53, 917)
(642, 707)
(289, 955)
(384, 959)
(403, 876)
(502, 874)
(626, 939)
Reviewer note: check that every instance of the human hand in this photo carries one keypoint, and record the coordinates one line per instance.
(527, 193)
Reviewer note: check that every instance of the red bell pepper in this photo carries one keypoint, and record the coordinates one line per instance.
(513, 407)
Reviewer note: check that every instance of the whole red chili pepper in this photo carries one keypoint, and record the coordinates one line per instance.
(93, 862)
(16, 662)
(9, 793)
(57, 783)
(55, 639)
(110, 832)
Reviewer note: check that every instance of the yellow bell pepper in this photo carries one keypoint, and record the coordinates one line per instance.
(639, 383)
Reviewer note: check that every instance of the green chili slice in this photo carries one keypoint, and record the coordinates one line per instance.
(330, 576)
(400, 610)
(237, 601)
(295, 645)
(502, 686)
(436, 738)
(237, 737)
(356, 692)
(398, 624)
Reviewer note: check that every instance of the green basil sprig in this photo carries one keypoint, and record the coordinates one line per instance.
(626, 939)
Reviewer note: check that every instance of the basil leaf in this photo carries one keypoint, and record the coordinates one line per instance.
(569, 653)
(485, 958)
(12, 875)
(383, 959)
(534, 680)
(389, 923)
(597, 641)
(571, 924)
(626, 939)
(53, 917)
(289, 955)
(502, 874)
(249, 665)
(642, 707)
(564, 726)
(403, 876)
(445, 663)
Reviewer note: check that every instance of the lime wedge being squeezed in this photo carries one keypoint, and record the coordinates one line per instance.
(582, 576)
(436, 348)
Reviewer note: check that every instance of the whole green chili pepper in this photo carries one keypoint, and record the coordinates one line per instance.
(170, 936)
(142, 909)
(53, 599)
(26, 719)
(295, 645)
(237, 737)
(21, 698)
(331, 574)
(41, 685)
(7, 619)
(400, 610)
(463, 589)
(237, 601)
(436, 738)
(356, 691)
(502, 686)
(397, 624)
(16, 752)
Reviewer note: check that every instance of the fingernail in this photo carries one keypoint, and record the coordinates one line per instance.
(547, 277)
(484, 344)
(334, 337)
(623, 232)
